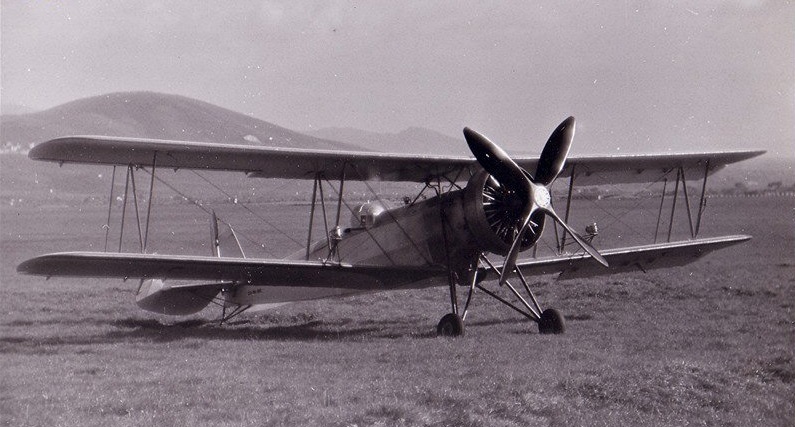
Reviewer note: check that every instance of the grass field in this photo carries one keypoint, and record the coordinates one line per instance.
(710, 343)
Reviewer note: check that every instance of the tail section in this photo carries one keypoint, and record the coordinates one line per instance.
(179, 299)
(157, 296)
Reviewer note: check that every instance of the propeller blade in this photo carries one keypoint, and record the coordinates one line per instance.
(585, 245)
(496, 162)
(553, 157)
(513, 253)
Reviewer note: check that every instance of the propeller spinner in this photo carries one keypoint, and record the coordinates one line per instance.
(533, 193)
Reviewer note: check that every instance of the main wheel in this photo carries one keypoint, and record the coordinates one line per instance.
(551, 322)
(451, 325)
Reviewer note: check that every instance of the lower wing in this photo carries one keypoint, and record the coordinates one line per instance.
(636, 258)
(263, 272)
(256, 272)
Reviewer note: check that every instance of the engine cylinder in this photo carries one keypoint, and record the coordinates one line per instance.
(493, 212)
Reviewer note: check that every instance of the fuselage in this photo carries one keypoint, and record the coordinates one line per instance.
(431, 232)
(423, 233)
(447, 232)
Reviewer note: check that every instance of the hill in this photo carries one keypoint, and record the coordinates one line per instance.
(151, 115)
(414, 140)
(143, 115)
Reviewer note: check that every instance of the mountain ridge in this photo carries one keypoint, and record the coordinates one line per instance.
(152, 115)
(413, 140)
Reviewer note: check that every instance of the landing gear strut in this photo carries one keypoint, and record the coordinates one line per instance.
(550, 321)
(452, 324)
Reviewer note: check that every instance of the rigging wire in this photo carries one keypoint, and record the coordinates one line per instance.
(353, 212)
(207, 211)
(617, 218)
(248, 209)
(392, 216)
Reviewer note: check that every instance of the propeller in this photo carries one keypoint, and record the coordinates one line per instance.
(532, 192)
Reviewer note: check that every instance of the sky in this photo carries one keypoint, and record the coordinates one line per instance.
(639, 76)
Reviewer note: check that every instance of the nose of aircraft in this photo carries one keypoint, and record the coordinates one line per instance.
(533, 192)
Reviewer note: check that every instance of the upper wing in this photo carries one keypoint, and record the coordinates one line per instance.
(637, 258)
(639, 168)
(260, 272)
(293, 163)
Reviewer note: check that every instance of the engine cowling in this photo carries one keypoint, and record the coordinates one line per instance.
(492, 212)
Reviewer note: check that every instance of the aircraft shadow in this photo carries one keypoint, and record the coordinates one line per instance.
(152, 330)
(307, 331)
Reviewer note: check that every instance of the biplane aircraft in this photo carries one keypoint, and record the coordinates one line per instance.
(491, 204)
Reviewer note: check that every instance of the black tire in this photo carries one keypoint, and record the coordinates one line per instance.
(552, 322)
(451, 325)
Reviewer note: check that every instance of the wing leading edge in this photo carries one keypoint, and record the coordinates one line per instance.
(293, 163)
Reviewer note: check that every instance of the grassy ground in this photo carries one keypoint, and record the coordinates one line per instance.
(709, 343)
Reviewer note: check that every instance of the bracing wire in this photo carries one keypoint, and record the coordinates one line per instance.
(248, 209)
(397, 223)
(207, 211)
(353, 212)
(618, 218)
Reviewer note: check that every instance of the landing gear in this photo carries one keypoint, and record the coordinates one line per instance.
(451, 325)
(551, 322)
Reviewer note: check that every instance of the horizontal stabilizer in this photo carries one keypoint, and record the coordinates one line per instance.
(637, 258)
(160, 297)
